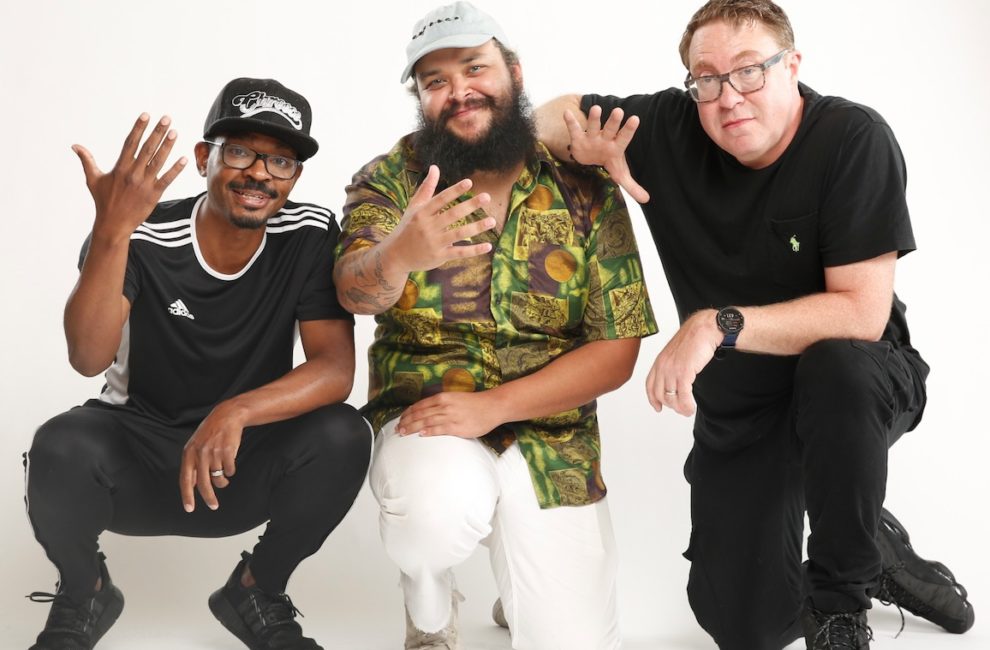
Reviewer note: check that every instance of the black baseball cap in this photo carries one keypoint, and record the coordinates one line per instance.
(263, 106)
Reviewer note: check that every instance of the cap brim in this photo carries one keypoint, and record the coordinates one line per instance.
(454, 40)
(304, 145)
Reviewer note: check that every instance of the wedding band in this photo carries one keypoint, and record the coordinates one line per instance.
(670, 392)
(216, 473)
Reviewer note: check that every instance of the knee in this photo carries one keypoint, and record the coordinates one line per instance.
(336, 434)
(60, 446)
(433, 520)
(62, 454)
(841, 375)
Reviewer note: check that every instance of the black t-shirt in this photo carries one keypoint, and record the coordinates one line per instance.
(731, 235)
(196, 336)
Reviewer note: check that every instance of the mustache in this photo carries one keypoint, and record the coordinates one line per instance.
(252, 186)
(473, 102)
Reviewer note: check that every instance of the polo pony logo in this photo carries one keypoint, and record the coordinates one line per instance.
(259, 101)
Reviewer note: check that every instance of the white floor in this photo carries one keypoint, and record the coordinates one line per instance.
(347, 606)
(195, 630)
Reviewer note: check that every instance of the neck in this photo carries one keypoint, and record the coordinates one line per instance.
(225, 247)
(498, 185)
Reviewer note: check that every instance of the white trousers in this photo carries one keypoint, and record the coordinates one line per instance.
(555, 569)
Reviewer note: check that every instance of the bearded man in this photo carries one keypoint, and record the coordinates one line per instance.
(509, 295)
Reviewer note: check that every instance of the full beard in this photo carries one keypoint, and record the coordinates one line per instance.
(510, 139)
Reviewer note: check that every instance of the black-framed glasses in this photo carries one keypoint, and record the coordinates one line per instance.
(744, 80)
(240, 157)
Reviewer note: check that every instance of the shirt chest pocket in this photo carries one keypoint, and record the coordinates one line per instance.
(549, 274)
(792, 249)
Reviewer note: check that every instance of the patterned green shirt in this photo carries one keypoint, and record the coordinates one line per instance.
(564, 270)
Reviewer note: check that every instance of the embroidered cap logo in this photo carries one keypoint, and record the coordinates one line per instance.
(259, 101)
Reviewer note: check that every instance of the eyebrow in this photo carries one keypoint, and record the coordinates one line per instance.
(464, 61)
(702, 64)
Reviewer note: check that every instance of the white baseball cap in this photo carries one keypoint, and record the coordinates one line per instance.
(458, 25)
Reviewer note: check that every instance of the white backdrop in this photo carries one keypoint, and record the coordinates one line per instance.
(81, 72)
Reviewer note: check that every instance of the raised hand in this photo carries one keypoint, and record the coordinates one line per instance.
(127, 194)
(425, 239)
(606, 146)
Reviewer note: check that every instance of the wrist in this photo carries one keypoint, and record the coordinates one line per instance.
(234, 410)
(730, 323)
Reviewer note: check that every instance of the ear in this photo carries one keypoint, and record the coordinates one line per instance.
(516, 71)
(202, 153)
(794, 63)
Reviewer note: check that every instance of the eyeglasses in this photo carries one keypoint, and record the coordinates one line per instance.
(240, 157)
(744, 80)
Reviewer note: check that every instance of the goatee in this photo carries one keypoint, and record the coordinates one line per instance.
(511, 138)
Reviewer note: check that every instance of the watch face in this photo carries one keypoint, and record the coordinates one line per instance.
(730, 320)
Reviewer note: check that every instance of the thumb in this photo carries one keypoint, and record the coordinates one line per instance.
(88, 162)
(623, 177)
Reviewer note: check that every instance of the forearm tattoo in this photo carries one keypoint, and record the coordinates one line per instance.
(369, 286)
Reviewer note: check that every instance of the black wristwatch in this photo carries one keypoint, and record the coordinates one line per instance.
(730, 322)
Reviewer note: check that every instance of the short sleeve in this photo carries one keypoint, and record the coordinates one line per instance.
(318, 299)
(376, 199)
(864, 212)
(618, 303)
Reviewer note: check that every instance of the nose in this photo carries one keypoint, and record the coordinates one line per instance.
(459, 88)
(730, 97)
(258, 170)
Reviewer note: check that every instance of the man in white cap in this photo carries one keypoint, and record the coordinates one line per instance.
(509, 295)
(192, 308)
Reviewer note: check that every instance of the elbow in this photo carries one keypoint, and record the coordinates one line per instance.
(85, 366)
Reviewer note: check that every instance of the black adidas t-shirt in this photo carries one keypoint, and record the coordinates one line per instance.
(195, 336)
(731, 235)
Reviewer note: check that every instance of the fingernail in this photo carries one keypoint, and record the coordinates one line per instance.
(144, 117)
(213, 506)
(188, 507)
(170, 135)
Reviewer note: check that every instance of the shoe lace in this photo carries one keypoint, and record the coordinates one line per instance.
(276, 614)
(66, 617)
(841, 630)
(892, 593)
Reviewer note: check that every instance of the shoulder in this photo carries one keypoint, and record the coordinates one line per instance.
(838, 115)
(169, 225)
(398, 159)
(665, 103)
(175, 210)
(305, 220)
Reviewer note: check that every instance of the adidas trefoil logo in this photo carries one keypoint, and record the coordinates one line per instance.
(178, 308)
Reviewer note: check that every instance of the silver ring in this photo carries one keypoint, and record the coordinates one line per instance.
(670, 392)
(216, 473)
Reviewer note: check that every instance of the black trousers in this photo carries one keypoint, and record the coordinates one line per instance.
(851, 400)
(97, 468)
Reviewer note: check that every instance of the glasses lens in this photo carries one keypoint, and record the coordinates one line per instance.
(706, 89)
(281, 167)
(238, 157)
(748, 79)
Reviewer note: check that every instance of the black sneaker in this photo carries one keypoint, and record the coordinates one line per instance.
(75, 625)
(835, 630)
(262, 621)
(922, 587)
